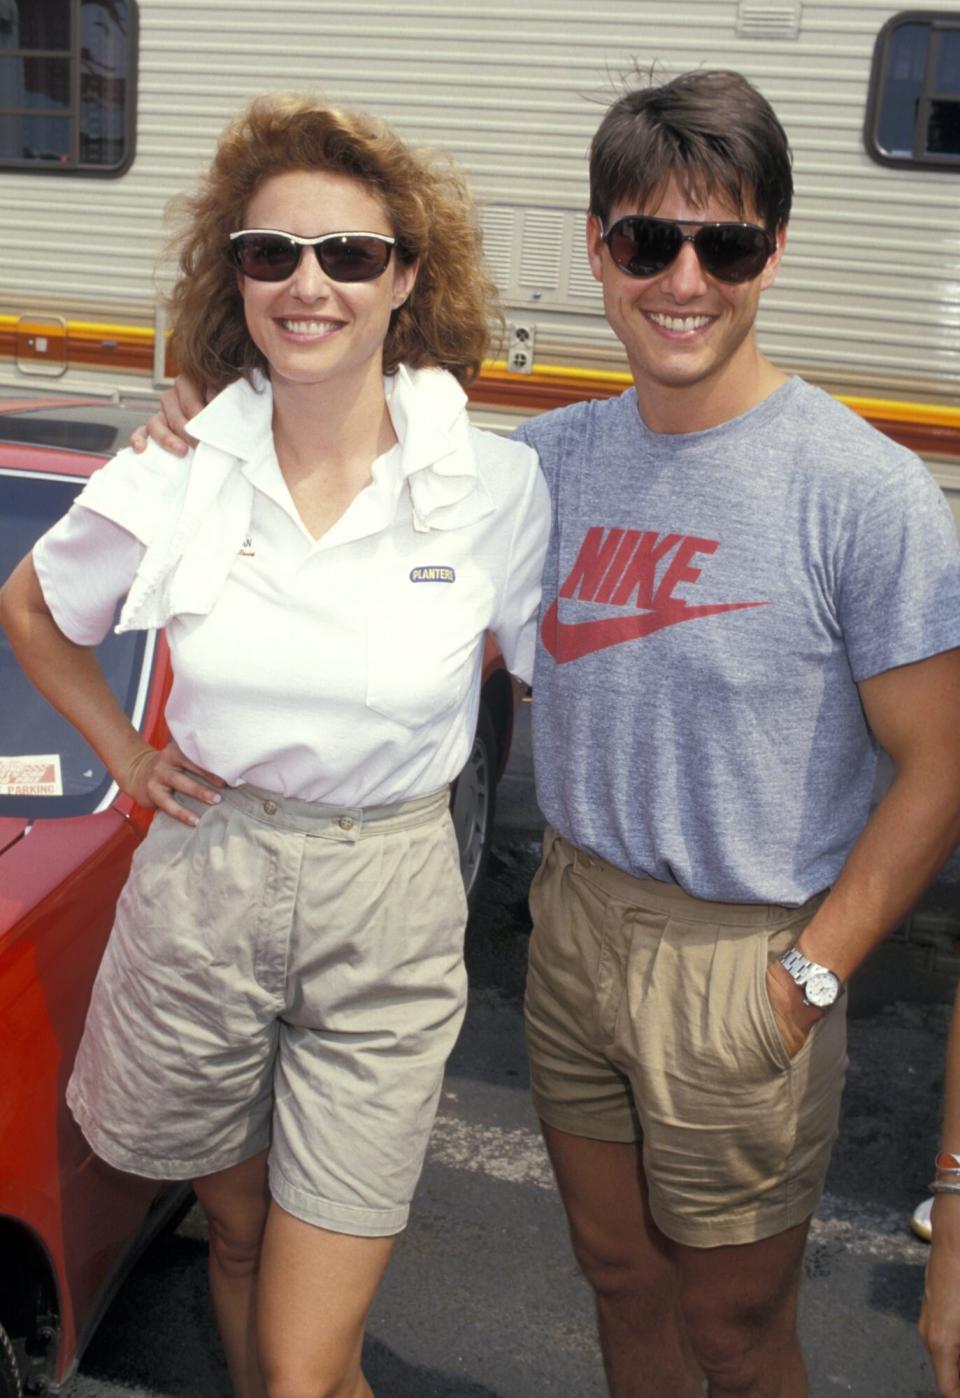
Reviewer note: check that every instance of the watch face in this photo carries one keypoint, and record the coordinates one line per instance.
(821, 988)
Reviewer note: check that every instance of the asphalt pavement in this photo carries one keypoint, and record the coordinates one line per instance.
(482, 1298)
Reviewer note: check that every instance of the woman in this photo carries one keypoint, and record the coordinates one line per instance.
(285, 976)
(940, 1316)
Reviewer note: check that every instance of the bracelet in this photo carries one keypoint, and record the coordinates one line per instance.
(939, 1186)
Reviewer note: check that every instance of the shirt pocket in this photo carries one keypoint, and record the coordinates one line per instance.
(425, 643)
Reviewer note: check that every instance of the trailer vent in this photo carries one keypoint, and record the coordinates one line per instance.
(768, 21)
(542, 249)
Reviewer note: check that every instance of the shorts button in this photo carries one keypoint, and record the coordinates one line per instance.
(270, 807)
(345, 822)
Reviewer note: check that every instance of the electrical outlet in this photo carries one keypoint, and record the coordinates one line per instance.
(520, 349)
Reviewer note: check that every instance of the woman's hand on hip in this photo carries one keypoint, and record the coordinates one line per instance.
(153, 776)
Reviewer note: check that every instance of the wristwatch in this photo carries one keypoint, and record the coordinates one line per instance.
(821, 988)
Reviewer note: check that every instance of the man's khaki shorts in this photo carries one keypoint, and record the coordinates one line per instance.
(285, 975)
(648, 1020)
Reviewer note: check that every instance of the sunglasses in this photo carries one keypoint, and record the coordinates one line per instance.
(267, 255)
(732, 252)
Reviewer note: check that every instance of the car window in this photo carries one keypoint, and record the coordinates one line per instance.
(46, 768)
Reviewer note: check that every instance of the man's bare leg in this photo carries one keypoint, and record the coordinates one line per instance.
(740, 1310)
(630, 1265)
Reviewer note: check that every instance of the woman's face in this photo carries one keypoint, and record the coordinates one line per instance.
(313, 330)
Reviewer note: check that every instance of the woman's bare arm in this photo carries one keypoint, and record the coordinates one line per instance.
(70, 677)
(940, 1316)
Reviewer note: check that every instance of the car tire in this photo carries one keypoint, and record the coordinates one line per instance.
(10, 1385)
(473, 806)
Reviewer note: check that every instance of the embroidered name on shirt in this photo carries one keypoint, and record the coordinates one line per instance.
(433, 573)
(619, 568)
(246, 548)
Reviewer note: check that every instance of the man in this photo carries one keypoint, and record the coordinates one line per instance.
(747, 590)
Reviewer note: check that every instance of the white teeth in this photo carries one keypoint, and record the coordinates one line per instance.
(680, 322)
(307, 327)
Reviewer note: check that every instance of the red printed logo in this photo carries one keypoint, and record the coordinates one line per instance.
(619, 568)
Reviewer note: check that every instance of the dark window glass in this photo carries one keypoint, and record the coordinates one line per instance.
(91, 79)
(943, 133)
(46, 83)
(901, 92)
(948, 62)
(29, 727)
(913, 105)
(35, 24)
(35, 138)
(84, 429)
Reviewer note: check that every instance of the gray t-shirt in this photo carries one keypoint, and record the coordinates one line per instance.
(710, 601)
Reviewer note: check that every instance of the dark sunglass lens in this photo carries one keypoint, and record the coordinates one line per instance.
(732, 252)
(355, 259)
(266, 258)
(642, 247)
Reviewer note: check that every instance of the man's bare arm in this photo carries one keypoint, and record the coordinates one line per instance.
(914, 712)
(168, 426)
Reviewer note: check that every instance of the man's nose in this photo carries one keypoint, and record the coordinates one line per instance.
(685, 278)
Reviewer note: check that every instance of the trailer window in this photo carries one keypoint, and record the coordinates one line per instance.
(67, 85)
(913, 107)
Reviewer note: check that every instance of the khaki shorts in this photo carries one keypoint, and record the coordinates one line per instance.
(648, 1020)
(285, 975)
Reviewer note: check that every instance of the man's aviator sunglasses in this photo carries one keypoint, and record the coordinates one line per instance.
(643, 246)
(268, 255)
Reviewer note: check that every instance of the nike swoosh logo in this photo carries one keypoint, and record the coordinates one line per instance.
(569, 641)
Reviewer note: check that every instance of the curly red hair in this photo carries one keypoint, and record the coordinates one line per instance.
(445, 322)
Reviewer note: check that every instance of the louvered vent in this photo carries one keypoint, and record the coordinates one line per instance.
(497, 226)
(755, 21)
(542, 247)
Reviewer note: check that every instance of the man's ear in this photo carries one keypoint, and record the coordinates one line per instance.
(595, 246)
(769, 274)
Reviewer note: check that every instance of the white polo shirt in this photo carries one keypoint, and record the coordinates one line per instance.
(344, 669)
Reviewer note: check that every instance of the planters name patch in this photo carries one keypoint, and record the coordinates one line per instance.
(433, 573)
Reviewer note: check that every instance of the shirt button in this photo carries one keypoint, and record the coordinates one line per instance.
(345, 822)
(270, 807)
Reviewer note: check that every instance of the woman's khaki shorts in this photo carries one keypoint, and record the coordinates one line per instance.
(648, 1019)
(285, 975)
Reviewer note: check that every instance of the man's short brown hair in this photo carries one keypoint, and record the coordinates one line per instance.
(711, 131)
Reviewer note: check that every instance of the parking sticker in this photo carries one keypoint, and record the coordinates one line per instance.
(31, 776)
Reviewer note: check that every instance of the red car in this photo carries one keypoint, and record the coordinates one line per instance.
(69, 1224)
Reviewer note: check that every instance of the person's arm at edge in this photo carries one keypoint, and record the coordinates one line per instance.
(914, 713)
(70, 677)
(940, 1314)
(168, 426)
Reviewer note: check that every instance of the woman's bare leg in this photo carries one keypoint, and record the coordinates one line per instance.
(236, 1202)
(316, 1288)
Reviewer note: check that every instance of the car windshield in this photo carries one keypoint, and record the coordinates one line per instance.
(46, 768)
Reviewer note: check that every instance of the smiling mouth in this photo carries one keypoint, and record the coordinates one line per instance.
(314, 328)
(679, 324)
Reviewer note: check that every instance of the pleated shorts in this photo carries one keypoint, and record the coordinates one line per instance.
(648, 1021)
(284, 976)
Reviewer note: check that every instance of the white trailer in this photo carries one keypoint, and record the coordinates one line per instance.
(868, 301)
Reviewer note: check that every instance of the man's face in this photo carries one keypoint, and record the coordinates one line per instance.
(689, 337)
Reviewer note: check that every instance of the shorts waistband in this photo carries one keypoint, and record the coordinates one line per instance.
(343, 822)
(673, 901)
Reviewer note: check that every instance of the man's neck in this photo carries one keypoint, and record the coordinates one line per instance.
(675, 409)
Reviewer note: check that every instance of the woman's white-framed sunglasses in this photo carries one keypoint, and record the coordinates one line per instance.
(271, 255)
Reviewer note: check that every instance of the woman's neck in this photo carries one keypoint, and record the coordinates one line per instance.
(325, 429)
